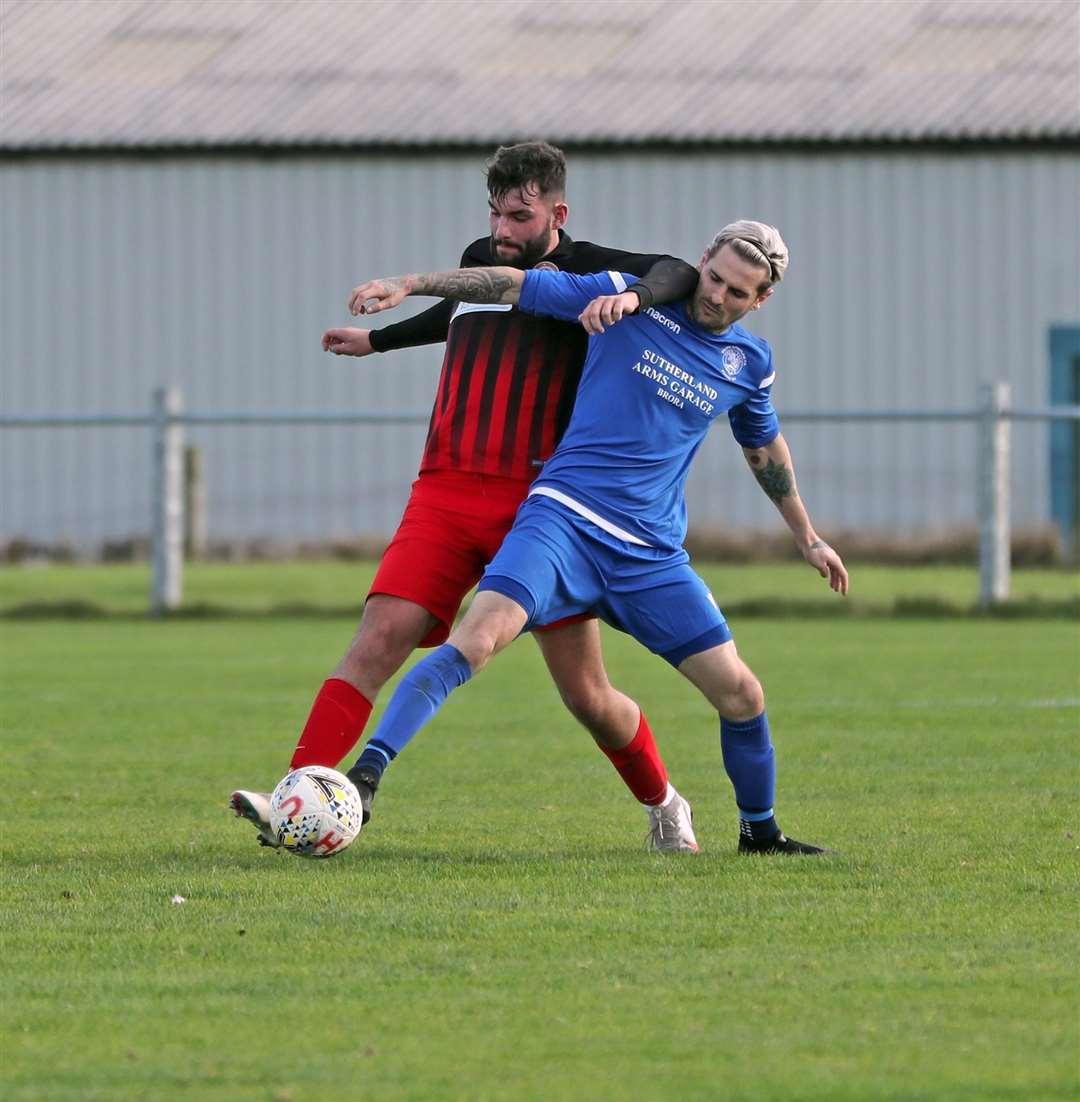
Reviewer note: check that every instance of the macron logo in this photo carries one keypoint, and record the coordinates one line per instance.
(664, 320)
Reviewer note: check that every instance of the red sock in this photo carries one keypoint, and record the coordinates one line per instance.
(640, 766)
(335, 725)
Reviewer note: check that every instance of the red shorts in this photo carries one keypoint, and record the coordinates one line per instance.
(452, 526)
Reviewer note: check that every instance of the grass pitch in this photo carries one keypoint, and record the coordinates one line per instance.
(498, 931)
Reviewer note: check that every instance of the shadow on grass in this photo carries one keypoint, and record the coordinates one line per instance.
(87, 863)
(915, 608)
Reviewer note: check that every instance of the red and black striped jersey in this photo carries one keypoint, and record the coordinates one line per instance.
(508, 379)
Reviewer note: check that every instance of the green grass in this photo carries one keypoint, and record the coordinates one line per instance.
(259, 588)
(498, 932)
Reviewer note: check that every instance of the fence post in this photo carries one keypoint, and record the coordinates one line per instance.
(993, 468)
(167, 502)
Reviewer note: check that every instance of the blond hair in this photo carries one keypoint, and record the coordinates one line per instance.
(756, 243)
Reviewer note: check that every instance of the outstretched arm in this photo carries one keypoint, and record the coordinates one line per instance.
(497, 285)
(348, 342)
(775, 473)
(428, 327)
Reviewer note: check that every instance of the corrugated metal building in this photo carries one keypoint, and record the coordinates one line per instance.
(191, 189)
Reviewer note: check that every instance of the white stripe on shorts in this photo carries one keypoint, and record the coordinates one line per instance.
(588, 514)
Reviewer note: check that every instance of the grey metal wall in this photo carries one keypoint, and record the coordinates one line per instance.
(914, 276)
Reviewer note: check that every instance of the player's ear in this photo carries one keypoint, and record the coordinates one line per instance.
(560, 212)
(761, 299)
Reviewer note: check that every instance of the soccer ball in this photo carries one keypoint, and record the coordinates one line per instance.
(315, 811)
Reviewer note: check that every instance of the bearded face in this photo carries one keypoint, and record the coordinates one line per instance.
(524, 225)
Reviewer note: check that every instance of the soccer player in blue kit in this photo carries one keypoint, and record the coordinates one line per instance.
(603, 525)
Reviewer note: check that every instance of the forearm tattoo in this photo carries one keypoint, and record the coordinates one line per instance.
(465, 284)
(777, 480)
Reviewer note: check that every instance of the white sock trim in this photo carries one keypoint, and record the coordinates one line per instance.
(669, 795)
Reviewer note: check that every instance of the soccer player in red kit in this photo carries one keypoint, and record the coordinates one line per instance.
(504, 397)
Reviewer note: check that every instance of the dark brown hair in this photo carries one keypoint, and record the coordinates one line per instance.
(517, 166)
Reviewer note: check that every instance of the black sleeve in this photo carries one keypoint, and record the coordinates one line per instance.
(428, 327)
(663, 278)
(668, 280)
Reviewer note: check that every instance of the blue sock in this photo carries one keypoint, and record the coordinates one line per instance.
(419, 695)
(751, 764)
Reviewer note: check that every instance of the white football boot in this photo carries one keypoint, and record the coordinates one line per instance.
(671, 826)
(255, 807)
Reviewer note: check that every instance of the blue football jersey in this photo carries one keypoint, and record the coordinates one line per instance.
(651, 387)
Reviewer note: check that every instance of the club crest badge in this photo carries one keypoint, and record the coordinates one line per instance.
(546, 266)
(732, 360)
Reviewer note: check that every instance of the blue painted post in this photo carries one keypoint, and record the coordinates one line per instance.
(1064, 457)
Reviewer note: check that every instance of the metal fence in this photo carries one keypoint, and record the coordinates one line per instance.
(217, 273)
(167, 420)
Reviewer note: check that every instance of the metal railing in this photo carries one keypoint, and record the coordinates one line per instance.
(167, 421)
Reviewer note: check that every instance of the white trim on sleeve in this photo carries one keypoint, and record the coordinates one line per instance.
(620, 283)
(479, 307)
(767, 381)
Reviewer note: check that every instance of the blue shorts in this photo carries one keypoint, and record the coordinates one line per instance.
(555, 563)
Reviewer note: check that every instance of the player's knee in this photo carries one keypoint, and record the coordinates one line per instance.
(753, 695)
(379, 648)
(585, 701)
(477, 647)
(744, 698)
(382, 641)
(480, 638)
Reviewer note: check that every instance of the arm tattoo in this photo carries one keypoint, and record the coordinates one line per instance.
(816, 544)
(776, 480)
(466, 285)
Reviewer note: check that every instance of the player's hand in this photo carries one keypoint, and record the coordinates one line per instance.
(829, 565)
(347, 342)
(378, 294)
(607, 310)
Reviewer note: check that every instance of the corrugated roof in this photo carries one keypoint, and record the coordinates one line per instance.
(145, 73)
